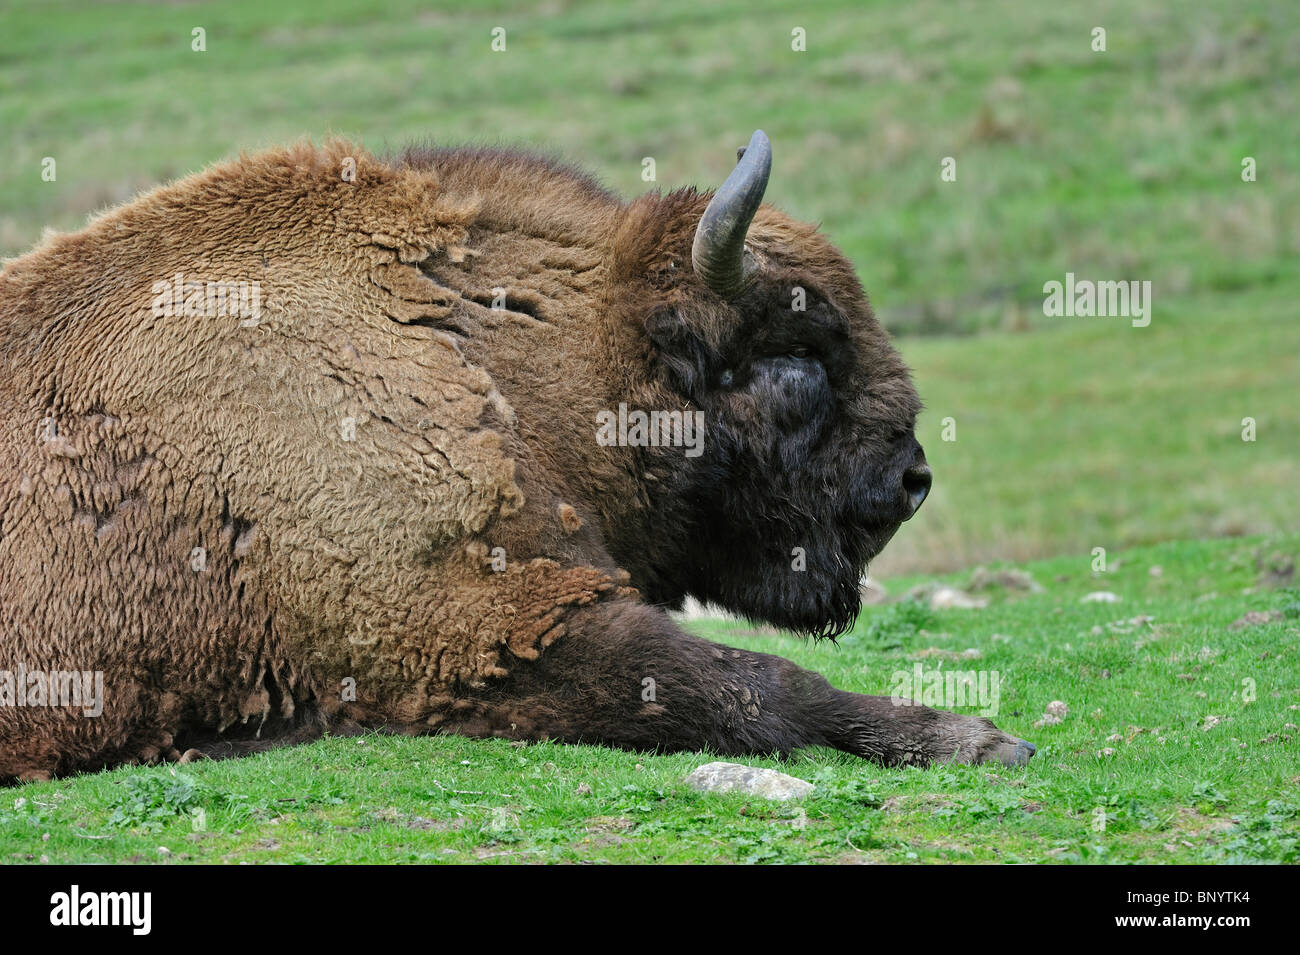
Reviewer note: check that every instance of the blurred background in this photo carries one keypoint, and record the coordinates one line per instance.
(1122, 164)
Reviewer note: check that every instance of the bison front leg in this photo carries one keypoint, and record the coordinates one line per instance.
(625, 675)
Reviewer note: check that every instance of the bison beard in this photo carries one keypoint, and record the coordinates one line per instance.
(379, 502)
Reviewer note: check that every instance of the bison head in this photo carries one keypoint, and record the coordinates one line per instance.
(810, 461)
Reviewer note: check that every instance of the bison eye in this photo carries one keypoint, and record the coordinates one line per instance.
(800, 351)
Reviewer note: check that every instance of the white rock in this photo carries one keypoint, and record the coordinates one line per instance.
(950, 598)
(872, 592)
(750, 780)
(1100, 597)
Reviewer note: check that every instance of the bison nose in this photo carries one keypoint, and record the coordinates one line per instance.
(916, 485)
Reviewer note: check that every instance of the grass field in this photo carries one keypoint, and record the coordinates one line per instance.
(1201, 722)
(1123, 164)
(1097, 435)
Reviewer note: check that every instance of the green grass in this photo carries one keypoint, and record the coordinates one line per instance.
(1122, 164)
(1098, 434)
(1180, 787)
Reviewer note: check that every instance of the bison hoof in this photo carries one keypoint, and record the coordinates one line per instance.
(979, 741)
(1022, 753)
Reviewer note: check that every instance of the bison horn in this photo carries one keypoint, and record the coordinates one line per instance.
(718, 253)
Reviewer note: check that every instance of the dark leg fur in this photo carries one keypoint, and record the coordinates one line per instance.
(626, 676)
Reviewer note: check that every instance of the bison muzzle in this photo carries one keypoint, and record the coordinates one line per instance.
(307, 443)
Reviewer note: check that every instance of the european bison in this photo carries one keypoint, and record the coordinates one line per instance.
(313, 441)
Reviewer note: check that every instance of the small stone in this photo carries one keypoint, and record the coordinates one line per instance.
(1056, 711)
(503, 820)
(950, 598)
(751, 780)
(1155, 570)
(582, 790)
(1100, 597)
(1106, 753)
(164, 851)
(871, 592)
(1114, 738)
(1210, 722)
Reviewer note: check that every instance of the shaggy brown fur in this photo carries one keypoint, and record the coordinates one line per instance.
(380, 503)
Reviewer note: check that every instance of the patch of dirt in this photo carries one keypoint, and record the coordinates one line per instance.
(938, 652)
(609, 824)
(397, 817)
(436, 825)
(1190, 821)
(1275, 569)
(1017, 580)
(1255, 618)
(912, 803)
(603, 831)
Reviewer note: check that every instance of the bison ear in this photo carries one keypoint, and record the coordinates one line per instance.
(718, 253)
